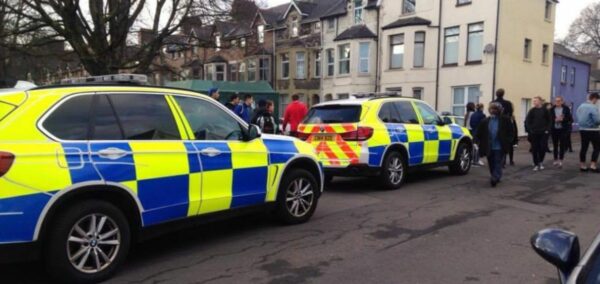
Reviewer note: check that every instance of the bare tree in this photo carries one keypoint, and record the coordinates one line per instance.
(101, 32)
(584, 33)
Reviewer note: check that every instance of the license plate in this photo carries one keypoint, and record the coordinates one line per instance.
(322, 138)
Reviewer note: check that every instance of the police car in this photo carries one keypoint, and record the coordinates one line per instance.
(86, 170)
(384, 136)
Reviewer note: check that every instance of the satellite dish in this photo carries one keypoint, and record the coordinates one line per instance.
(489, 48)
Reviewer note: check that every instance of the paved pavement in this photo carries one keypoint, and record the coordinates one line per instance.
(437, 229)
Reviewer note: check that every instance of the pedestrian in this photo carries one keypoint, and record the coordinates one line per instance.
(562, 118)
(515, 143)
(570, 130)
(476, 119)
(588, 118)
(470, 111)
(538, 123)
(244, 110)
(264, 118)
(294, 114)
(548, 107)
(214, 93)
(494, 137)
(507, 106)
(234, 100)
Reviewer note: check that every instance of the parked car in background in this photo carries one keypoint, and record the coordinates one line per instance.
(86, 170)
(561, 249)
(384, 137)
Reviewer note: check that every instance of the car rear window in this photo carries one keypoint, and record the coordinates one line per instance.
(334, 114)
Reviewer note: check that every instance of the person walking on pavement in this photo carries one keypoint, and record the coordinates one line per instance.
(494, 137)
(476, 119)
(294, 114)
(264, 118)
(244, 110)
(562, 118)
(548, 107)
(214, 93)
(538, 123)
(507, 106)
(515, 143)
(470, 110)
(234, 100)
(588, 118)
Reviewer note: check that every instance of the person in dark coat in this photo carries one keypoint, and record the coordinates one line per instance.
(538, 123)
(507, 106)
(234, 100)
(476, 119)
(494, 137)
(562, 117)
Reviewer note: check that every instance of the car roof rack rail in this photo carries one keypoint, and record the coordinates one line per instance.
(376, 95)
(127, 79)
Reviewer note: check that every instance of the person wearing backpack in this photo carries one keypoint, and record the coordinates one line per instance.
(264, 118)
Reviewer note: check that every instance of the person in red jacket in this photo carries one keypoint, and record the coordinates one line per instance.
(294, 114)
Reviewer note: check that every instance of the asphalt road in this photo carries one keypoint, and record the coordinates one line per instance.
(437, 229)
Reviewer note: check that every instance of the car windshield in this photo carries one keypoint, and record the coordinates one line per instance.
(334, 114)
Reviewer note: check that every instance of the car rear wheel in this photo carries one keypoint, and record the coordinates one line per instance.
(393, 172)
(462, 163)
(87, 243)
(297, 197)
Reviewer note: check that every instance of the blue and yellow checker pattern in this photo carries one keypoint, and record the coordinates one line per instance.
(169, 179)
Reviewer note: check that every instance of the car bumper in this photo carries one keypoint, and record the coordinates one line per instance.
(19, 252)
(352, 170)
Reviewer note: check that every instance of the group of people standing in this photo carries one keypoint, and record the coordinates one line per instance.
(496, 136)
(263, 114)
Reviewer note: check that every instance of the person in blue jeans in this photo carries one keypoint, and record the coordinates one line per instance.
(494, 137)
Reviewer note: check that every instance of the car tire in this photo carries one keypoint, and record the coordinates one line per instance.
(297, 197)
(393, 171)
(463, 160)
(71, 238)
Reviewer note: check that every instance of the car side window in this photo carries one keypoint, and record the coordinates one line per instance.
(105, 125)
(407, 112)
(145, 117)
(71, 119)
(388, 113)
(208, 121)
(428, 114)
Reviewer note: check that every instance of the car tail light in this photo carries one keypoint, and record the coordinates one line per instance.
(6, 161)
(302, 136)
(361, 134)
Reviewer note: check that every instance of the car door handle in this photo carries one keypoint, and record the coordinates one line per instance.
(112, 153)
(210, 152)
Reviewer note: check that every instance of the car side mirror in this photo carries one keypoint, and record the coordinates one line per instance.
(559, 247)
(252, 133)
(442, 123)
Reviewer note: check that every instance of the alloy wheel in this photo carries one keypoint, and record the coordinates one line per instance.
(396, 170)
(299, 197)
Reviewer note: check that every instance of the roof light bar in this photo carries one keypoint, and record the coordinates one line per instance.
(105, 79)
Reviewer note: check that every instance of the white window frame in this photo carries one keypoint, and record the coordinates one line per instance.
(261, 33)
(466, 95)
(330, 57)
(216, 73)
(447, 36)
(300, 65)
(264, 70)
(404, 7)
(218, 42)
(344, 60)
(362, 59)
(243, 42)
(420, 90)
(330, 24)
(295, 28)
(572, 76)
(285, 60)
(392, 45)
(252, 70)
(358, 11)
(563, 74)
(419, 42)
(318, 61)
(471, 33)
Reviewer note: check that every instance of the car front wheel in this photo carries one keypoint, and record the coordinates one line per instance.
(393, 172)
(87, 243)
(462, 163)
(297, 197)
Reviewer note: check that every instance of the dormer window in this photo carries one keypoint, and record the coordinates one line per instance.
(218, 42)
(408, 6)
(261, 34)
(295, 27)
(358, 11)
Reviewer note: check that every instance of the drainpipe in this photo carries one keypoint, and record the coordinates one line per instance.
(437, 71)
(377, 52)
(496, 52)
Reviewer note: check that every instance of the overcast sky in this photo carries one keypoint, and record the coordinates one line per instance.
(567, 12)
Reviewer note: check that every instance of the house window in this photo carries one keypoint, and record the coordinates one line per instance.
(261, 34)
(317, 64)
(233, 72)
(243, 42)
(242, 72)
(572, 76)
(251, 70)
(451, 45)
(317, 27)
(220, 72)
(330, 62)
(527, 49)
(463, 95)
(397, 51)
(264, 69)
(233, 43)
(300, 65)
(419, 52)
(208, 72)
(285, 66)
(418, 93)
(330, 24)
(358, 11)
(545, 54)
(563, 74)
(408, 6)
(344, 56)
(463, 2)
(343, 96)
(295, 27)
(363, 62)
(548, 10)
(218, 42)
(475, 43)
(196, 73)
